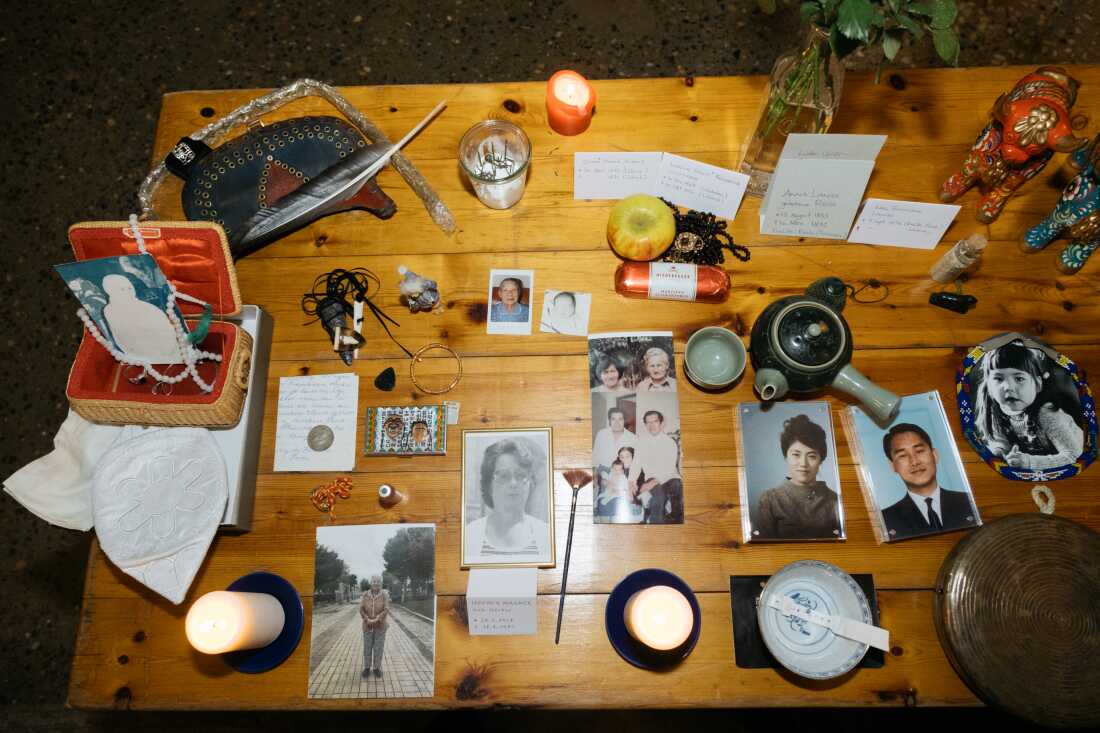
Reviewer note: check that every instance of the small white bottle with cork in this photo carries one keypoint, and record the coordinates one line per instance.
(959, 259)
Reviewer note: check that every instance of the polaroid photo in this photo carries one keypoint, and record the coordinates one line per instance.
(511, 300)
(790, 483)
(372, 632)
(565, 312)
(507, 498)
(127, 299)
(911, 473)
(406, 431)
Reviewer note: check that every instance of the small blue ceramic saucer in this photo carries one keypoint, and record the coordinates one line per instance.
(275, 653)
(626, 645)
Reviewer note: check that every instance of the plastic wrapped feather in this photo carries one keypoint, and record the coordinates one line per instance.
(251, 111)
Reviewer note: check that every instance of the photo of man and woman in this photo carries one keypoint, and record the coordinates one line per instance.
(636, 447)
(911, 472)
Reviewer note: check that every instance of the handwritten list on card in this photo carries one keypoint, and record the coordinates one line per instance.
(682, 181)
(902, 223)
(818, 185)
(613, 175)
(326, 401)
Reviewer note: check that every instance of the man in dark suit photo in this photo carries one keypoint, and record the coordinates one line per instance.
(927, 507)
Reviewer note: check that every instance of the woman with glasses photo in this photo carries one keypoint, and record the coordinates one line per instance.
(507, 531)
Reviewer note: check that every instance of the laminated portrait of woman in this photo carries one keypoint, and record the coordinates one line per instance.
(793, 487)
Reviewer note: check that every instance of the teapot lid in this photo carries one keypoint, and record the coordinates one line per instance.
(808, 335)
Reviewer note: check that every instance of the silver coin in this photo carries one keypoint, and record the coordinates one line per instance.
(320, 438)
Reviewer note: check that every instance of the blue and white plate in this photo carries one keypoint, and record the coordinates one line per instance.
(803, 647)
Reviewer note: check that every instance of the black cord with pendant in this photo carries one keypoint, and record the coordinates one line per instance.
(330, 301)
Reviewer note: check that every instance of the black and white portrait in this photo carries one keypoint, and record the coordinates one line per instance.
(565, 312)
(1026, 409)
(511, 293)
(507, 498)
(790, 488)
(911, 470)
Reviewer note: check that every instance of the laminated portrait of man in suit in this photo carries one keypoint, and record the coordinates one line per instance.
(927, 507)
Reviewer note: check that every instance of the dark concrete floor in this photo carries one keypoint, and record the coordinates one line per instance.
(83, 83)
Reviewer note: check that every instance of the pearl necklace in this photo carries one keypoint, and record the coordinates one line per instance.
(191, 355)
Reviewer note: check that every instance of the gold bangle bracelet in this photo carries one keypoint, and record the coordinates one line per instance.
(417, 357)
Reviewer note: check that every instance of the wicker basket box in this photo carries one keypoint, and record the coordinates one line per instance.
(195, 257)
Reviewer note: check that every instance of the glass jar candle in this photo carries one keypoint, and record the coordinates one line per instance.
(495, 155)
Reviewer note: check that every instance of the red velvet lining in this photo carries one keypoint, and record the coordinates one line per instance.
(97, 376)
(192, 257)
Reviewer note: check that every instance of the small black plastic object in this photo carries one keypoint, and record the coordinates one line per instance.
(953, 301)
(387, 380)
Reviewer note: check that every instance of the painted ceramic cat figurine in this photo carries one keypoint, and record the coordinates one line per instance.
(1076, 216)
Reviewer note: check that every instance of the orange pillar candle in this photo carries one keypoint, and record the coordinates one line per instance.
(569, 102)
(660, 617)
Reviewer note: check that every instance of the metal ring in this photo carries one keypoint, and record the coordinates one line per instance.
(417, 357)
(140, 378)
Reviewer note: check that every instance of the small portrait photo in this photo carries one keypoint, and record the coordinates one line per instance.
(511, 294)
(406, 431)
(790, 485)
(565, 312)
(911, 471)
(507, 498)
(372, 633)
(644, 483)
(1026, 408)
(619, 363)
(127, 300)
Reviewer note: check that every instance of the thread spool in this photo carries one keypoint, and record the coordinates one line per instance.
(389, 497)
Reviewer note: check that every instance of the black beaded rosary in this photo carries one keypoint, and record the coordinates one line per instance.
(700, 239)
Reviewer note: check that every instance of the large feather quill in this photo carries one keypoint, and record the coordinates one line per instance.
(324, 193)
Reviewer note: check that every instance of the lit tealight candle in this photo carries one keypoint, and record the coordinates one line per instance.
(569, 102)
(225, 621)
(659, 617)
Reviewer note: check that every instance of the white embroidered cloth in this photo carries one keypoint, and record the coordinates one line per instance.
(157, 501)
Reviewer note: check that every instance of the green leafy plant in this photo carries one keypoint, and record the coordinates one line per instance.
(854, 23)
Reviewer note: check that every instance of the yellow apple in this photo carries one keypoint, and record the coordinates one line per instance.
(641, 227)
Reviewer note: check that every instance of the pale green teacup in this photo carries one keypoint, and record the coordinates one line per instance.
(714, 357)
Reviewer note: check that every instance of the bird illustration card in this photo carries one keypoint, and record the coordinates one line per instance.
(126, 299)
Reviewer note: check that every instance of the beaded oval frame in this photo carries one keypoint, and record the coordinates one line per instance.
(964, 395)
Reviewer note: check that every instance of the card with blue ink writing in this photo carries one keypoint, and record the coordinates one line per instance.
(818, 185)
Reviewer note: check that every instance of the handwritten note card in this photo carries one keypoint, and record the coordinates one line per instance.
(700, 186)
(682, 181)
(613, 175)
(902, 223)
(329, 401)
(502, 601)
(818, 185)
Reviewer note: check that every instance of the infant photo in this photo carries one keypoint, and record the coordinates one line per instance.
(565, 312)
(790, 487)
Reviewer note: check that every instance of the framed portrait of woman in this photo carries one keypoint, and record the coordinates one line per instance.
(790, 485)
(507, 498)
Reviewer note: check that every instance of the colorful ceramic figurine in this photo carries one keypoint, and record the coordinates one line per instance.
(1076, 216)
(1030, 123)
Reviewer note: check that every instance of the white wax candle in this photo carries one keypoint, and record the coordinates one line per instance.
(224, 621)
(660, 617)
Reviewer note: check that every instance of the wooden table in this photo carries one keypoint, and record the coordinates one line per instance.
(131, 649)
